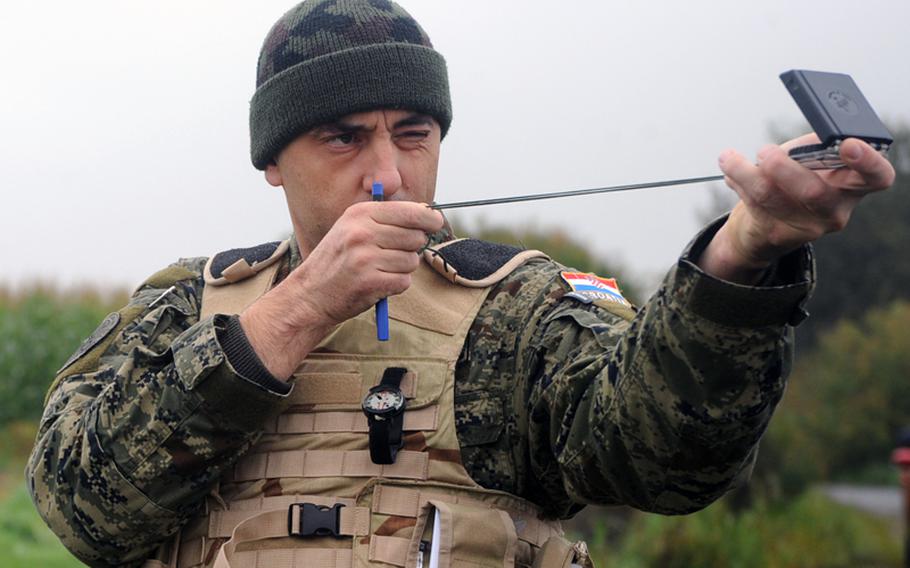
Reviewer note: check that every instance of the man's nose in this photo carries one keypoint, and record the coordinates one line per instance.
(383, 169)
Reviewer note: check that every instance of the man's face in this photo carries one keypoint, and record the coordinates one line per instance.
(331, 167)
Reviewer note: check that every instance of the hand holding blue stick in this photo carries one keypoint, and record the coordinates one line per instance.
(382, 306)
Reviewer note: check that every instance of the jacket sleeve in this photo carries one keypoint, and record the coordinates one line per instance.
(662, 411)
(140, 424)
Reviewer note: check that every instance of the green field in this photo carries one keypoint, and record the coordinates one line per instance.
(25, 540)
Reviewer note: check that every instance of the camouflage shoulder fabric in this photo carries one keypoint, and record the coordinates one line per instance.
(566, 403)
(138, 428)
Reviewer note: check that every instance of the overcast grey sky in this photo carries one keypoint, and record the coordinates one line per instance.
(124, 124)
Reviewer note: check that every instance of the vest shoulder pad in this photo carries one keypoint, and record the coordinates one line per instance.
(475, 263)
(239, 264)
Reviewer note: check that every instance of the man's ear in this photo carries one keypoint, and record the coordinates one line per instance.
(273, 174)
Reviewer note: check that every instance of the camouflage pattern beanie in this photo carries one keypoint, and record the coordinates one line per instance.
(328, 58)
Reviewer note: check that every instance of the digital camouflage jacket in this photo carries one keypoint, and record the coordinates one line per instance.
(558, 401)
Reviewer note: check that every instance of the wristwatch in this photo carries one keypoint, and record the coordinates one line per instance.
(384, 408)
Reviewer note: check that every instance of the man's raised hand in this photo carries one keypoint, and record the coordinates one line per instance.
(368, 254)
(784, 205)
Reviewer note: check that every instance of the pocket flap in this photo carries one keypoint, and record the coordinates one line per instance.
(483, 422)
(465, 535)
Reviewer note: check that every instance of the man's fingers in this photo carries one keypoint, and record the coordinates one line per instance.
(396, 261)
(406, 214)
(866, 168)
(744, 177)
(397, 238)
(804, 140)
(875, 171)
(799, 184)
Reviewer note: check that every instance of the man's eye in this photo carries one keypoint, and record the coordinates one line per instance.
(343, 139)
(414, 134)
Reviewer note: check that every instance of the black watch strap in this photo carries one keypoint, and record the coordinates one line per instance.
(386, 436)
(383, 444)
(392, 377)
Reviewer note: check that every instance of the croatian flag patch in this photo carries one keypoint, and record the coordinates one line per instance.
(590, 287)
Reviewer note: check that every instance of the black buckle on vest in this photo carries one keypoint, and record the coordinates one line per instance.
(315, 520)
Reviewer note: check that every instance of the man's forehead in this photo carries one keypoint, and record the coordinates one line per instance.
(391, 118)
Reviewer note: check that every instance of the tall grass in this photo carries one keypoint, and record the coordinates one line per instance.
(807, 532)
(25, 541)
(40, 327)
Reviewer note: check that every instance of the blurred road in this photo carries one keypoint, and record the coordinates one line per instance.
(884, 501)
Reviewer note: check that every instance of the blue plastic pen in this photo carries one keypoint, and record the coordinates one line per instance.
(382, 306)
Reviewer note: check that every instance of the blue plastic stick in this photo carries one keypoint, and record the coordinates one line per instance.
(382, 306)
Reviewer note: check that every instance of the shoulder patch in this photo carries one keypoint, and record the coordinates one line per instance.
(168, 276)
(475, 263)
(85, 358)
(590, 288)
(239, 264)
(104, 328)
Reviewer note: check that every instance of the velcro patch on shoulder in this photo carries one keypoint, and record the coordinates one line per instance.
(475, 263)
(105, 327)
(86, 357)
(590, 288)
(169, 276)
(239, 264)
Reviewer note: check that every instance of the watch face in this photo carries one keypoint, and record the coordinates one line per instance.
(383, 401)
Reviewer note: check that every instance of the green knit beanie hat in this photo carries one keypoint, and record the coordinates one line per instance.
(325, 59)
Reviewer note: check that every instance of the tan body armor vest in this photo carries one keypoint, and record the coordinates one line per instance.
(315, 455)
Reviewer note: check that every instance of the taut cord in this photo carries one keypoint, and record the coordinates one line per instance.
(573, 192)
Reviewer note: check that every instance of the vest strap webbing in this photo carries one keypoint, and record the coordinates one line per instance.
(341, 388)
(348, 421)
(198, 537)
(259, 504)
(408, 502)
(326, 463)
(274, 524)
(309, 557)
(192, 551)
(353, 521)
(389, 549)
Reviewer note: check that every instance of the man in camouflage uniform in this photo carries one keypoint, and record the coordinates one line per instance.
(558, 399)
